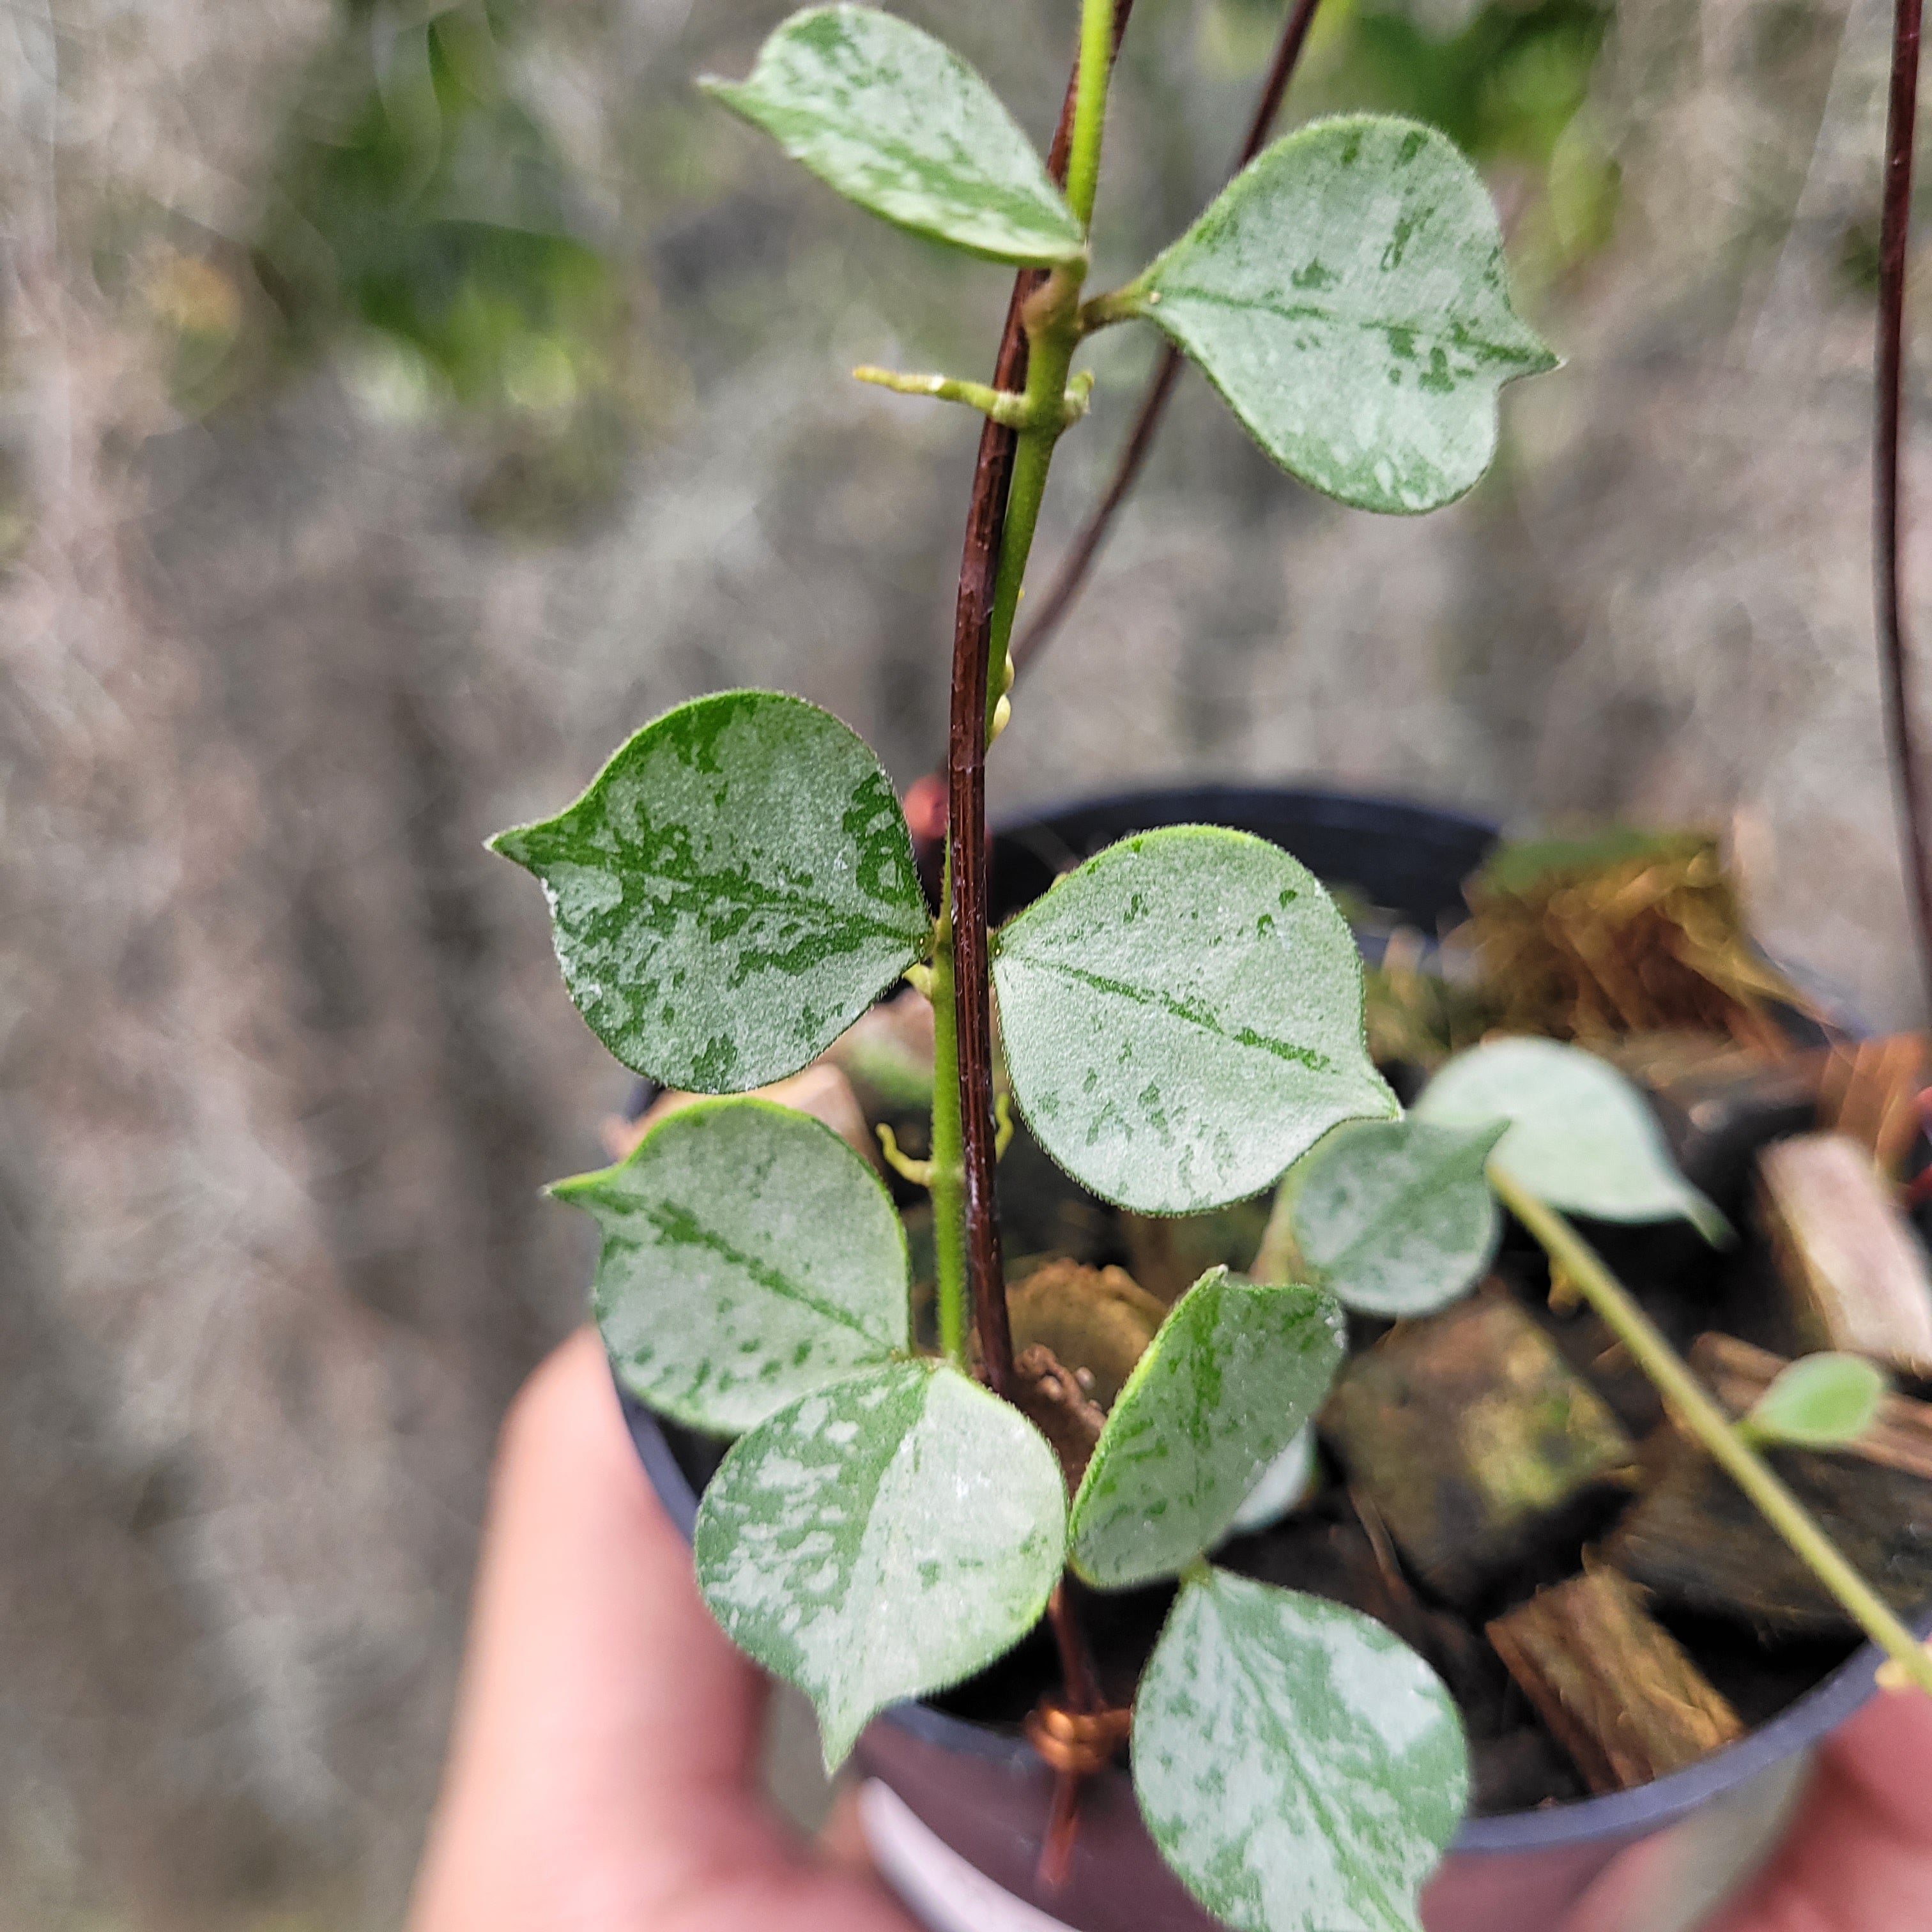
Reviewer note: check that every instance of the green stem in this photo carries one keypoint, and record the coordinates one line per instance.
(947, 1178)
(1053, 334)
(1089, 106)
(1279, 1258)
(1701, 1415)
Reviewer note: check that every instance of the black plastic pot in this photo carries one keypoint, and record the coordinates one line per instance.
(984, 1793)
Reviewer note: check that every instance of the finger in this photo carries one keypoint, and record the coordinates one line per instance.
(1859, 1853)
(586, 1606)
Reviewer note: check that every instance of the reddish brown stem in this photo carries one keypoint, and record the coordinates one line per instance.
(1082, 1694)
(966, 806)
(1888, 560)
(1052, 610)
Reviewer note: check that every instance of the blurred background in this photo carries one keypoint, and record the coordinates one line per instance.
(398, 403)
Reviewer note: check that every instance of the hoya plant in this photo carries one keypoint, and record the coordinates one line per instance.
(1182, 1022)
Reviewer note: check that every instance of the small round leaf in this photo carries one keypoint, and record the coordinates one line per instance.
(1820, 1402)
(749, 1255)
(1301, 1769)
(1182, 1017)
(734, 890)
(897, 122)
(880, 1538)
(1580, 1136)
(1395, 1217)
(1225, 1386)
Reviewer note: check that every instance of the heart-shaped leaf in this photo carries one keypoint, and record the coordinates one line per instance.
(1299, 1768)
(1346, 293)
(882, 1538)
(1235, 1370)
(1580, 1136)
(749, 1255)
(733, 891)
(898, 123)
(1395, 1217)
(1820, 1402)
(1183, 1017)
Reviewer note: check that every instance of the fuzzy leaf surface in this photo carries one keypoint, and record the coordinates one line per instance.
(731, 893)
(1580, 1136)
(1301, 1769)
(1183, 1017)
(1395, 1217)
(1346, 294)
(1821, 1401)
(1221, 1389)
(748, 1256)
(882, 1538)
(897, 122)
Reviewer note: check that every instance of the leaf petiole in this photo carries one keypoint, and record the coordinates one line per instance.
(1697, 1412)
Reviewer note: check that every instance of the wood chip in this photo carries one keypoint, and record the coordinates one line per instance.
(1854, 1268)
(1616, 1689)
(1475, 1441)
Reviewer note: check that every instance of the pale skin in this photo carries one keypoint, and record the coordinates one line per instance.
(603, 1770)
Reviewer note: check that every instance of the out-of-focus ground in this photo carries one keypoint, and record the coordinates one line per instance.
(301, 595)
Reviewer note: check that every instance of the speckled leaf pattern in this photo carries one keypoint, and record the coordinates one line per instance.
(1395, 1217)
(749, 1255)
(1234, 1371)
(1183, 1018)
(733, 891)
(882, 1538)
(1580, 1137)
(898, 123)
(1346, 293)
(1300, 1767)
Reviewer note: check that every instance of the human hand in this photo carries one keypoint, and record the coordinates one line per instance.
(603, 1773)
(1857, 1856)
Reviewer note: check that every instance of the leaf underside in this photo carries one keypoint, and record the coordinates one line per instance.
(1299, 1767)
(1580, 1137)
(1395, 1217)
(1346, 294)
(881, 1538)
(896, 121)
(732, 891)
(1182, 1017)
(748, 1256)
(1225, 1385)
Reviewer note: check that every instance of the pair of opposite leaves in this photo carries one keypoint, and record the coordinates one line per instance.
(1345, 293)
(895, 1527)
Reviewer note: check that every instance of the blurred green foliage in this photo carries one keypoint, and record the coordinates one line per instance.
(419, 196)
(421, 202)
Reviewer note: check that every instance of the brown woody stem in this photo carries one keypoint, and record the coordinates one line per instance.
(1888, 559)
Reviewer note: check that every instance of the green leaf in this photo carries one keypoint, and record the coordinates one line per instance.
(898, 123)
(1346, 294)
(1580, 1137)
(1221, 1389)
(1395, 1217)
(1183, 1017)
(880, 1538)
(749, 1256)
(1301, 1769)
(1820, 1402)
(734, 890)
